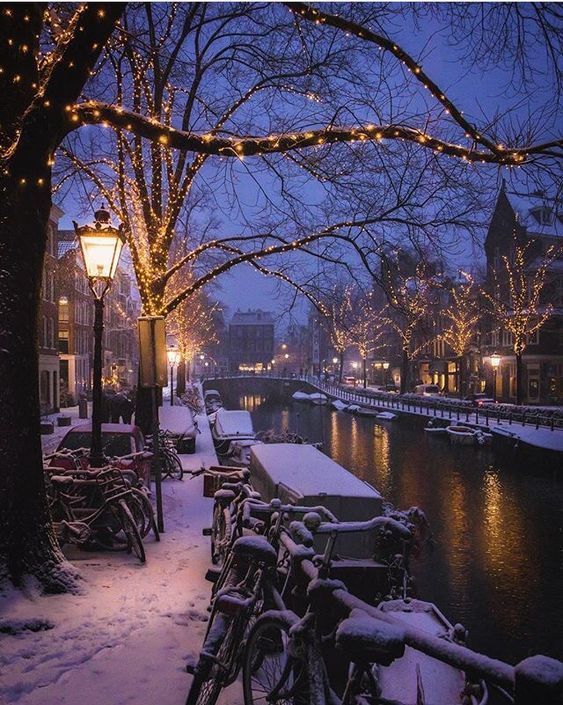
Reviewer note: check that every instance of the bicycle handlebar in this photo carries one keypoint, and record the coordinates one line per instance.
(348, 527)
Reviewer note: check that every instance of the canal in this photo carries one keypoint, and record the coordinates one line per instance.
(497, 561)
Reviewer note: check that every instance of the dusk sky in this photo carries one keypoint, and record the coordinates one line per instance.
(237, 187)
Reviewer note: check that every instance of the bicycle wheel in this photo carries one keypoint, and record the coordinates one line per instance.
(171, 464)
(131, 531)
(270, 674)
(220, 534)
(143, 513)
(211, 674)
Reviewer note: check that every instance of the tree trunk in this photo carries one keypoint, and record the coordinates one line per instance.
(27, 543)
(460, 380)
(519, 370)
(341, 367)
(365, 372)
(405, 371)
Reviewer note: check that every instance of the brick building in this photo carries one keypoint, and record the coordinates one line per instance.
(524, 218)
(49, 398)
(251, 340)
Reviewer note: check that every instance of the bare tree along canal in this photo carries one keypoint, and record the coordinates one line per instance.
(496, 565)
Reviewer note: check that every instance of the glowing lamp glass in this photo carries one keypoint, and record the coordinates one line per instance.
(495, 360)
(101, 253)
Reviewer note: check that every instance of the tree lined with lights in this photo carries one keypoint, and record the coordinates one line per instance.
(48, 56)
(408, 298)
(338, 319)
(514, 295)
(368, 329)
(461, 317)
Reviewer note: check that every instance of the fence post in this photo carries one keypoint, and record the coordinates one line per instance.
(538, 679)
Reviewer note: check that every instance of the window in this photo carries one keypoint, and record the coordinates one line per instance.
(63, 309)
(495, 337)
(507, 338)
(63, 341)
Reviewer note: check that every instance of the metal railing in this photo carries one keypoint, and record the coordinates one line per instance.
(442, 409)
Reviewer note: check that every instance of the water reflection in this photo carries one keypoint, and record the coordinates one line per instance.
(496, 565)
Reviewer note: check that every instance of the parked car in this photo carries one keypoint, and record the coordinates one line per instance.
(350, 380)
(479, 398)
(427, 390)
(118, 439)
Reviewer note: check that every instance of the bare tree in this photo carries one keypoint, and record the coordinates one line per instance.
(368, 329)
(48, 62)
(462, 316)
(514, 297)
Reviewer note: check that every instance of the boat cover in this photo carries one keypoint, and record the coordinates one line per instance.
(230, 424)
(302, 474)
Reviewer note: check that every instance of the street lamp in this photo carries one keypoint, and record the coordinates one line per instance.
(101, 246)
(495, 363)
(385, 368)
(173, 358)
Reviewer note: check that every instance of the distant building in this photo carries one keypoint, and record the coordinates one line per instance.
(251, 341)
(537, 218)
(75, 320)
(49, 398)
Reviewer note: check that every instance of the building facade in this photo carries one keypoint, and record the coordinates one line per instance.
(49, 394)
(537, 220)
(251, 341)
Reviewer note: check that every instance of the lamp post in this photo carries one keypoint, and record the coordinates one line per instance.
(495, 363)
(101, 245)
(173, 355)
(385, 368)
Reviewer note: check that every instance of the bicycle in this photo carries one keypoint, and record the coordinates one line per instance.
(248, 582)
(284, 660)
(95, 507)
(170, 463)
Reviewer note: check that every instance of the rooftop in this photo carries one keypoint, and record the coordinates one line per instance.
(538, 213)
(252, 317)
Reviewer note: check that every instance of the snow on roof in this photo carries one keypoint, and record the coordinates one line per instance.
(252, 318)
(308, 470)
(233, 423)
(524, 206)
(65, 246)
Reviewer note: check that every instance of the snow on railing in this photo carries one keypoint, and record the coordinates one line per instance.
(447, 409)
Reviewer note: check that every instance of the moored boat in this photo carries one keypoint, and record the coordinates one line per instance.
(418, 678)
(386, 416)
(231, 426)
(461, 435)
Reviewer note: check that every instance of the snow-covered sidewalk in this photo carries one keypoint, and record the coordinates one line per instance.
(126, 639)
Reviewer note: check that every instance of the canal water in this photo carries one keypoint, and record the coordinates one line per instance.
(497, 561)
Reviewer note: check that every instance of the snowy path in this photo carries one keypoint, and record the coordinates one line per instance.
(126, 639)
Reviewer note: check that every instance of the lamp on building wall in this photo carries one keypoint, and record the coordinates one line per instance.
(101, 245)
(495, 364)
(173, 355)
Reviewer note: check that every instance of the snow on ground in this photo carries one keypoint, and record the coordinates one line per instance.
(539, 437)
(125, 640)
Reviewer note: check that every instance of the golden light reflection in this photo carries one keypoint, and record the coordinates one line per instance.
(381, 458)
(511, 564)
(455, 540)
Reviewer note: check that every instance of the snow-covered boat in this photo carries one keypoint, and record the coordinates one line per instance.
(300, 474)
(231, 426)
(318, 398)
(386, 416)
(212, 400)
(300, 396)
(338, 405)
(353, 408)
(461, 435)
(432, 430)
(239, 451)
(418, 678)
